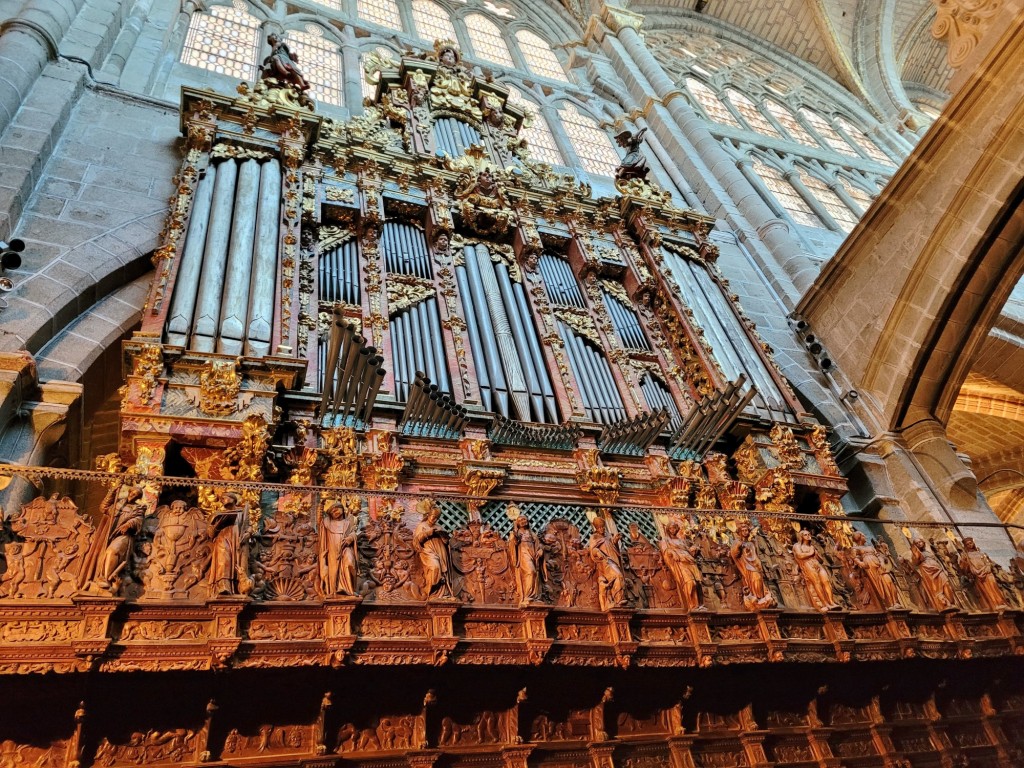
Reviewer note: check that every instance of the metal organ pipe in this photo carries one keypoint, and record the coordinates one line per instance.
(521, 345)
(238, 271)
(264, 266)
(183, 306)
(476, 345)
(550, 403)
(207, 313)
(488, 336)
(582, 379)
(440, 354)
(397, 362)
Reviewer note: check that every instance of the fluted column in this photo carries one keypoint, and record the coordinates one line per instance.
(786, 251)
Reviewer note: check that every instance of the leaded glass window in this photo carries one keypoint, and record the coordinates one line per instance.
(383, 12)
(540, 59)
(824, 129)
(225, 40)
(861, 139)
(320, 61)
(749, 111)
(710, 103)
(537, 132)
(487, 40)
(593, 146)
(369, 89)
(787, 195)
(837, 209)
(788, 121)
(432, 22)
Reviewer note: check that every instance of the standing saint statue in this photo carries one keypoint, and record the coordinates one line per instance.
(816, 577)
(935, 583)
(682, 565)
(605, 554)
(337, 547)
(431, 544)
(744, 555)
(526, 553)
(877, 572)
(977, 567)
(228, 573)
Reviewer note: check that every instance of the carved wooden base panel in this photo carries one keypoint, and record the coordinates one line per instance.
(909, 713)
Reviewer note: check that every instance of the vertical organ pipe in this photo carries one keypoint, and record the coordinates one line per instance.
(186, 284)
(550, 404)
(503, 332)
(487, 334)
(521, 344)
(440, 354)
(415, 340)
(397, 364)
(239, 270)
(582, 380)
(207, 314)
(475, 343)
(264, 266)
(427, 341)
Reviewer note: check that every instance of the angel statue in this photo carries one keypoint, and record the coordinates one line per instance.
(283, 65)
(634, 164)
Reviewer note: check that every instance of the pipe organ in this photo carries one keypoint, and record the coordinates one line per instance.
(414, 416)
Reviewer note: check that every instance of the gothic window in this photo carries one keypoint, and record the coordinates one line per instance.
(369, 89)
(837, 209)
(540, 59)
(332, 4)
(225, 40)
(432, 21)
(487, 40)
(749, 112)
(539, 139)
(788, 121)
(320, 61)
(593, 146)
(786, 195)
(383, 12)
(859, 138)
(859, 196)
(710, 103)
(829, 134)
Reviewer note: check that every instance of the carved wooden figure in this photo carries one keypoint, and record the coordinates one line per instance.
(229, 559)
(431, 543)
(606, 556)
(49, 542)
(337, 547)
(527, 555)
(877, 572)
(935, 582)
(816, 578)
(680, 560)
(977, 566)
(748, 562)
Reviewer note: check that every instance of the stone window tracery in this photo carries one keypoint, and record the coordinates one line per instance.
(539, 138)
(367, 88)
(320, 61)
(786, 195)
(487, 40)
(748, 111)
(432, 21)
(710, 103)
(592, 144)
(383, 12)
(859, 195)
(860, 139)
(837, 209)
(539, 57)
(225, 40)
(789, 122)
(829, 135)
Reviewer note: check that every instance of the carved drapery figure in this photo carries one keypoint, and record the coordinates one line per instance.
(679, 558)
(634, 164)
(977, 567)
(431, 543)
(452, 86)
(229, 572)
(282, 64)
(877, 572)
(337, 547)
(121, 515)
(744, 555)
(604, 552)
(934, 579)
(526, 552)
(816, 577)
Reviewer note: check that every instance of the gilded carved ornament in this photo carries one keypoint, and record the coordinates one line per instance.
(406, 291)
(786, 448)
(383, 463)
(219, 386)
(593, 477)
